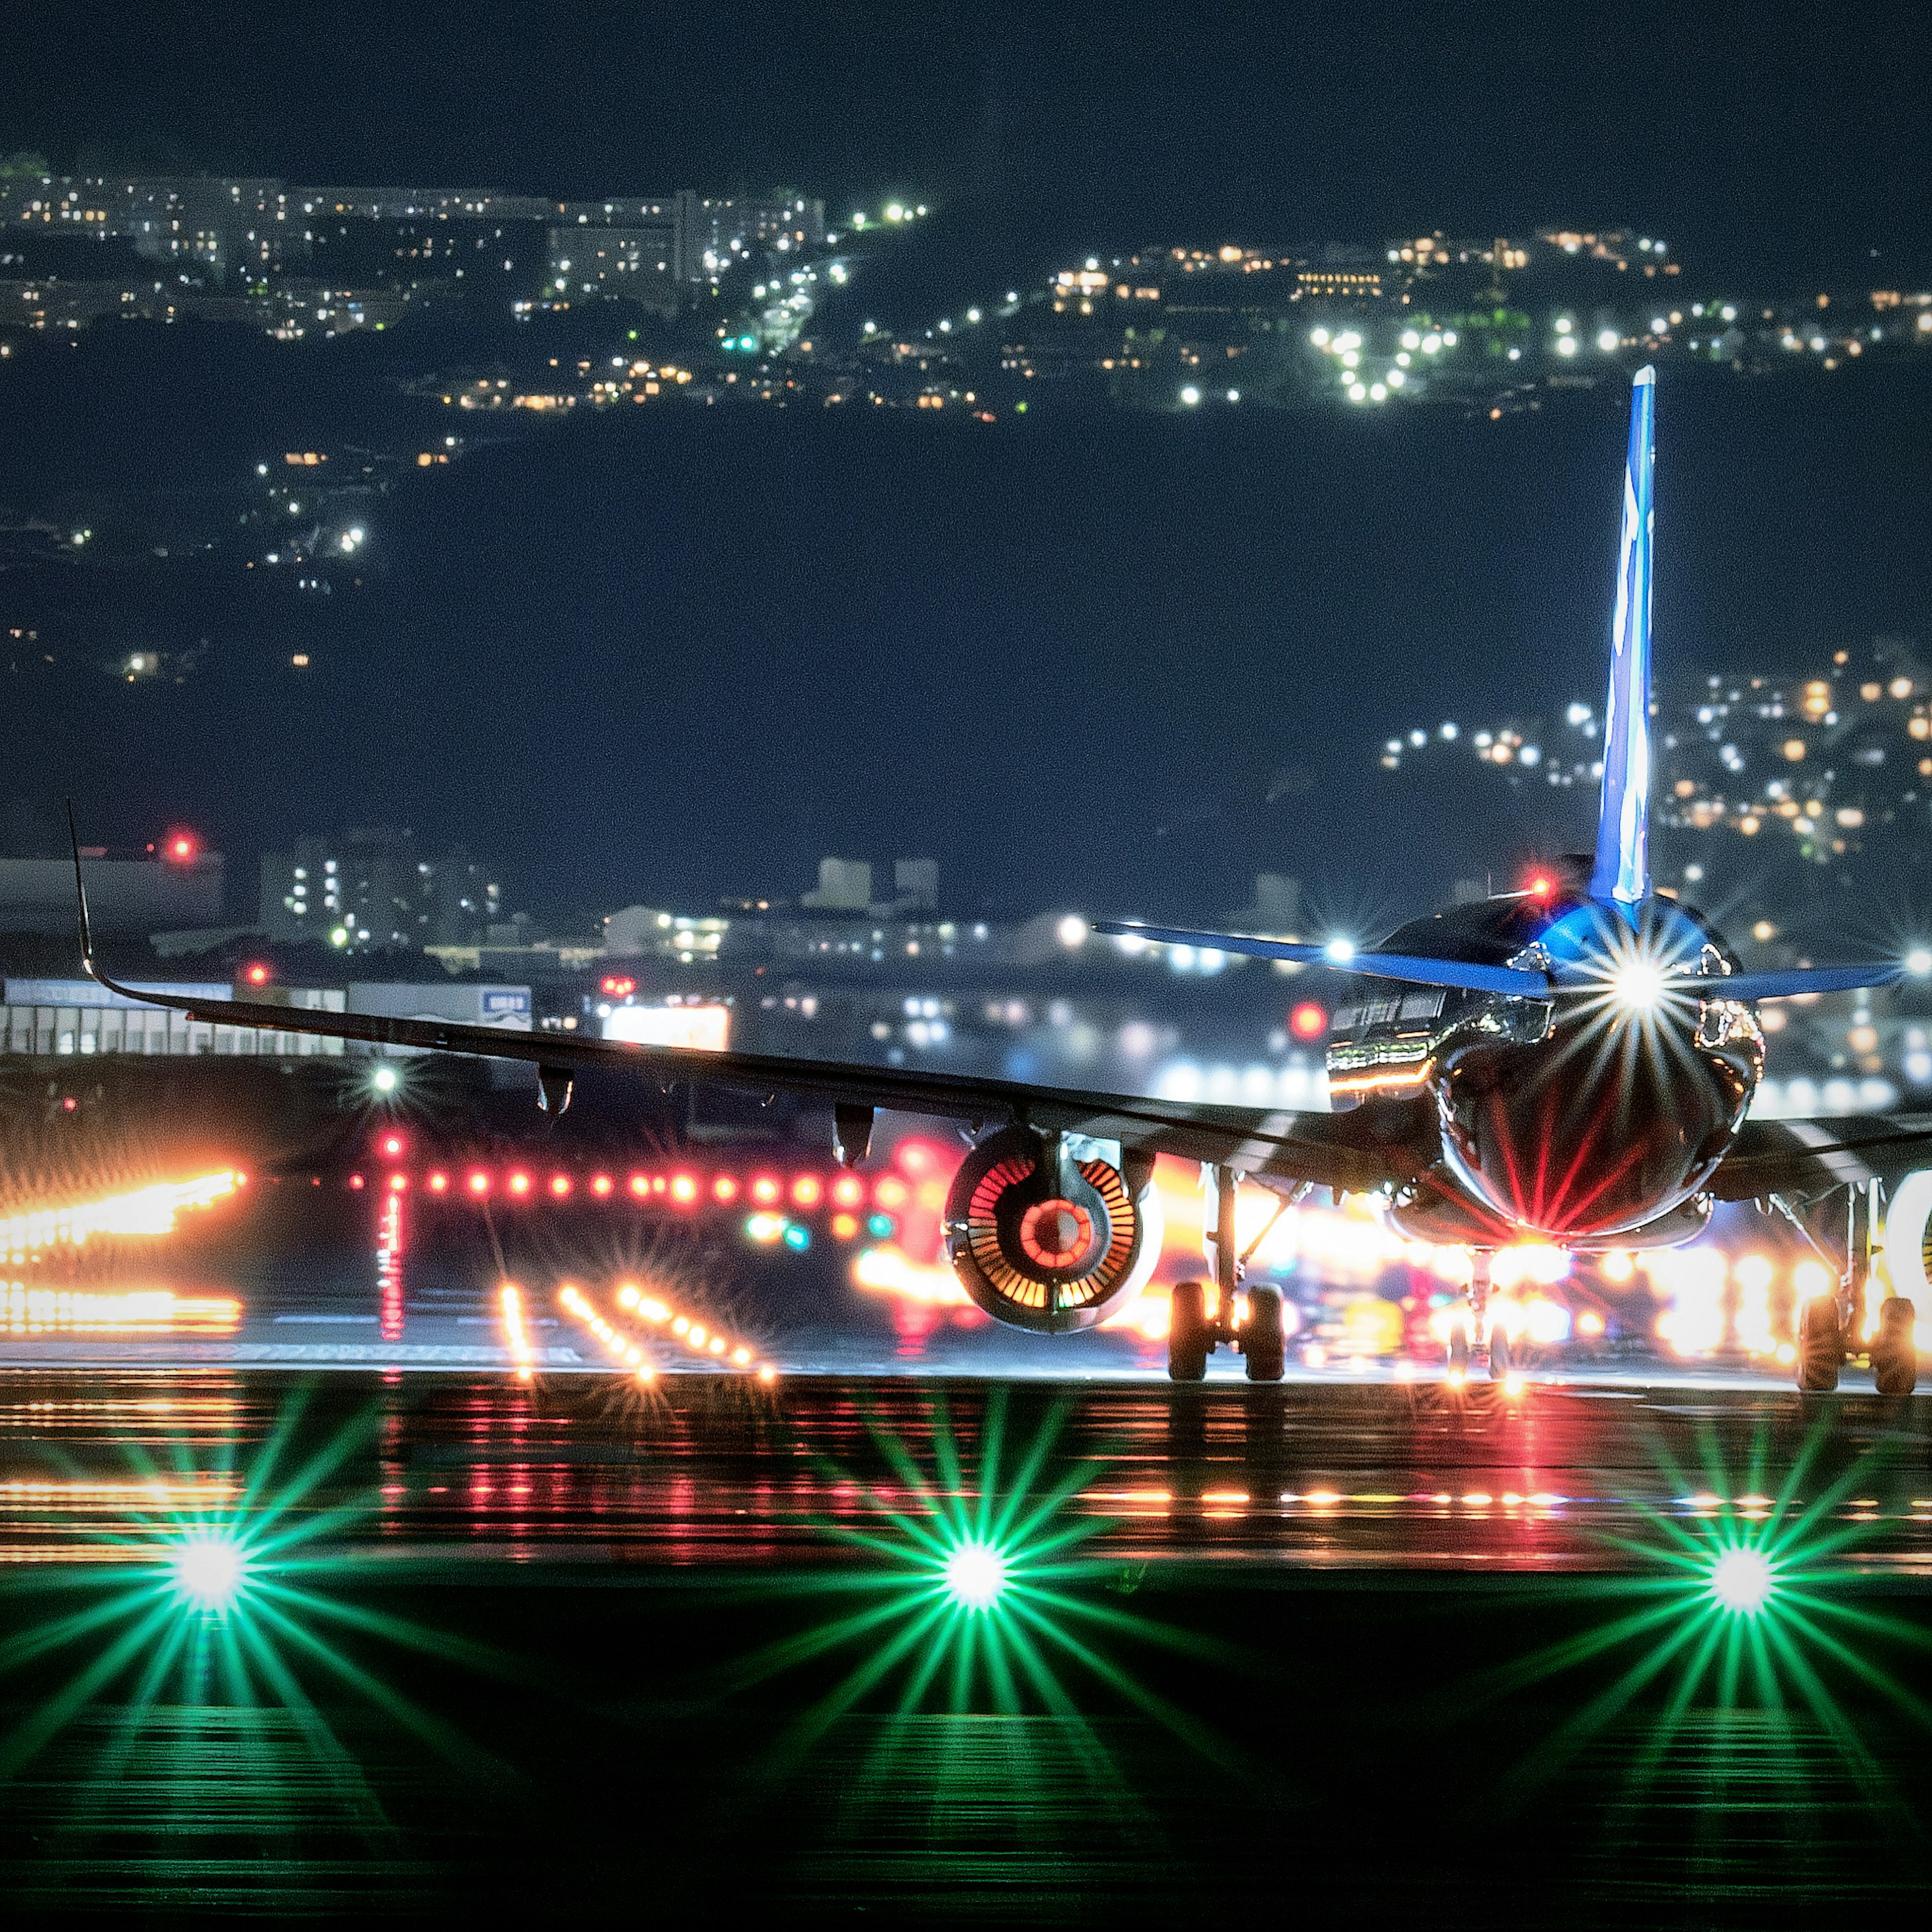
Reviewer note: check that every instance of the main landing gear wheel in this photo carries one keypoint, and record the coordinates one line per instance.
(1821, 1345)
(1500, 1364)
(1458, 1350)
(1895, 1352)
(1262, 1340)
(1188, 1338)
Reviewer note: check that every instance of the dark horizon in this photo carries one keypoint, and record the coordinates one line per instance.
(1755, 143)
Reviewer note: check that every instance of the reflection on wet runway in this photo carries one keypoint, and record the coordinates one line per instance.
(967, 1649)
(719, 1471)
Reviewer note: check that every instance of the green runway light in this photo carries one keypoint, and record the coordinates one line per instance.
(975, 1575)
(1742, 1581)
(209, 1571)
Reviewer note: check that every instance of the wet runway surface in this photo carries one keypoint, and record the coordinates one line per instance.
(851, 1647)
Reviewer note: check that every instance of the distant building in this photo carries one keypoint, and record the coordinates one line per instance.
(844, 885)
(639, 261)
(123, 894)
(366, 888)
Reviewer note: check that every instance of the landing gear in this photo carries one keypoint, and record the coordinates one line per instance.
(1193, 1334)
(1500, 1364)
(1261, 1337)
(1836, 1324)
(1475, 1344)
(1190, 1339)
(1821, 1345)
(1895, 1353)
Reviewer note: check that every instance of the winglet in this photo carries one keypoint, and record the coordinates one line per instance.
(1621, 874)
(80, 896)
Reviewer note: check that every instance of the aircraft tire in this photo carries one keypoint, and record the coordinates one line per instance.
(1262, 1340)
(1821, 1345)
(1188, 1343)
(1458, 1349)
(1500, 1363)
(1895, 1353)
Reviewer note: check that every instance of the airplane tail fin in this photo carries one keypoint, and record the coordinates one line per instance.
(1621, 872)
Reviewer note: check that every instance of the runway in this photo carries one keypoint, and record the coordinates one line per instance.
(570, 1644)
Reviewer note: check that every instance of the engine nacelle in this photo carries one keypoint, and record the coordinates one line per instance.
(1044, 1232)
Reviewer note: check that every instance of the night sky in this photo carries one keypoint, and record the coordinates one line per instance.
(1744, 133)
(1074, 661)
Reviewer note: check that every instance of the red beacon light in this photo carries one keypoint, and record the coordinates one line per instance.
(258, 975)
(1309, 1020)
(179, 848)
(1540, 885)
(618, 986)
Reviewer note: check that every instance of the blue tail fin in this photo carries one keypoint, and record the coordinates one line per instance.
(1621, 874)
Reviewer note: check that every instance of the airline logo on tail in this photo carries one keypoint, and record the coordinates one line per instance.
(1621, 874)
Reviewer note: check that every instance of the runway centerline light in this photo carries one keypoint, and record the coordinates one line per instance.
(975, 1576)
(1742, 1581)
(209, 1571)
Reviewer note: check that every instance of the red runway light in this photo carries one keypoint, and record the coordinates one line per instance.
(1309, 1020)
(355, 1181)
(684, 1189)
(560, 1185)
(724, 1188)
(765, 1190)
(394, 1145)
(890, 1192)
(479, 1184)
(520, 1183)
(398, 1182)
(805, 1191)
(438, 1182)
(601, 1186)
(848, 1190)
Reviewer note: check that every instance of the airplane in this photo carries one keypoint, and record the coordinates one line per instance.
(1572, 1063)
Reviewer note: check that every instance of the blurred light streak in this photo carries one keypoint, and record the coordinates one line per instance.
(389, 1269)
(47, 1311)
(147, 1210)
(516, 1335)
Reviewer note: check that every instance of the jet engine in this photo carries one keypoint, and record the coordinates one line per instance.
(1046, 1230)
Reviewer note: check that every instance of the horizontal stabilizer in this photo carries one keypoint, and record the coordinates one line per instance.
(1413, 967)
(1800, 979)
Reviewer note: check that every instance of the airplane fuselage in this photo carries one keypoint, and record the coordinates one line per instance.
(1595, 1117)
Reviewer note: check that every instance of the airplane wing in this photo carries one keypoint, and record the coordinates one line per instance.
(1518, 982)
(1343, 1151)
(1411, 967)
(1804, 1160)
(1330, 1150)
